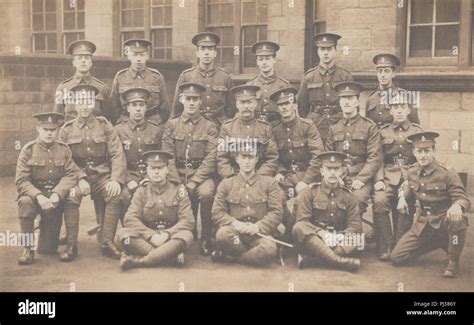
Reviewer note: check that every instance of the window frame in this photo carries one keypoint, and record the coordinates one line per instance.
(462, 61)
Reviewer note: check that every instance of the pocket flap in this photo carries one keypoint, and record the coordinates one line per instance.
(100, 139)
(36, 162)
(177, 137)
(298, 143)
(339, 137)
(59, 162)
(359, 136)
(388, 140)
(200, 137)
(219, 88)
(320, 205)
(233, 199)
(436, 186)
(260, 199)
(74, 140)
(315, 85)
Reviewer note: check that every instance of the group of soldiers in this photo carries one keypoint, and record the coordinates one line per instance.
(237, 155)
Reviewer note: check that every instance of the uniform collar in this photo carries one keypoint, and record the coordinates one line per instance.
(324, 71)
(43, 144)
(159, 189)
(247, 122)
(267, 79)
(78, 78)
(430, 168)
(328, 189)
(290, 123)
(404, 125)
(133, 125)
(243, 181)
(135, 73)
(392, 87)
(205, 73)
(194, 119)
(352, 120)
(90, 122)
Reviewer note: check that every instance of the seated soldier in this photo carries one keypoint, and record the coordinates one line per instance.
(45, 174)
(398, 156)
(159, 223)
(440, 221)
(328, 220)
(246, 212)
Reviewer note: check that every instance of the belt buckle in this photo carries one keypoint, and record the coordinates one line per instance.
(426, 209)
(294, 167)
(327, 110)
(400, 161)
(208, 115)
(188, 165)
(262, 117)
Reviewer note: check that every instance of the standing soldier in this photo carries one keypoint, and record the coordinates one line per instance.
(298, 143)
(328, 212)
(45, 174)
(217, 103)
(246, 212)
(158, 225)
(97, 150)
(192, 139)
(246, 128)
(440, 221)
(359, 138)
(138, 135)
(377, 105)
(267, 80)
(81, 52)
(139, 75)
(317, 98)
(397, 156)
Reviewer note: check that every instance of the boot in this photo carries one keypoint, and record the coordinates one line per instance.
(206, 247)
(303, 261)
(69, 254)
(455, 248)
(109, 249)
(452, 270)
(28, 256)
(131, 261)
(383, 235)
(218, 256)
(180, 260)
(321, 251)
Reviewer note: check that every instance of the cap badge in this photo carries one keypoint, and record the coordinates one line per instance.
(423, 138)
(325, 39)
(333, 159)
(50, 119)
(347, 88)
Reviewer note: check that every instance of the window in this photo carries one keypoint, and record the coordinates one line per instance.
(73, 21)
(315, 23)
(238, 23)
(148, 19)
(44, 26)
(55, 24)
(439, 32)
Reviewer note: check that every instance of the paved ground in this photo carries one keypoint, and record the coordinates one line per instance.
(91, 272)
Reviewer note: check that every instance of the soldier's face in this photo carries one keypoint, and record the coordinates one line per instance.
(327, 54)
(246, 107)
(206, 54)
(136, 110)
(266, 63)
(349, 104)
(46, 134)
(82, 63)
(246, 163)
(424, 156)
(138, 59)
(385, 76)
(157, 174)
(287, 110)
(331, 175)
(84, 109)
(399, 112)
(191, 104)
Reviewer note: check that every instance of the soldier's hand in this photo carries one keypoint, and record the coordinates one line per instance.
(112, 188)
(300, 187)
(191, 186)
(280, 178)
(239, 226)
(357, 185)
(54, 199)
(84, 187)
(252, 229)
(454, 213)
(44, 202)
(402, 206)
(159, 239)
(379, 186)
(132, 185)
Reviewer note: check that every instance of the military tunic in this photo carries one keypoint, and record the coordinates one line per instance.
(255, 200)
(254, 130)
(137, 139)
(317, 99)
(267, 110)
(61, 105)
(359, 138)
(435, 188)
(321, 207)
(218, 104)
(378, 110)
(150, 79)
(44, 169)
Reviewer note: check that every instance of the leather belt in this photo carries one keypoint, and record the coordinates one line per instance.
(46, 186)
(90, 162)
(354, 160)
(160, 225)
(398, 159)
(268, 116)
(434, 207)
(249, 219)
(190, 163)
(297, 166)
(323, 109)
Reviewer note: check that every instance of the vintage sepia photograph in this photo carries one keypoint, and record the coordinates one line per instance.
(236, 146)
